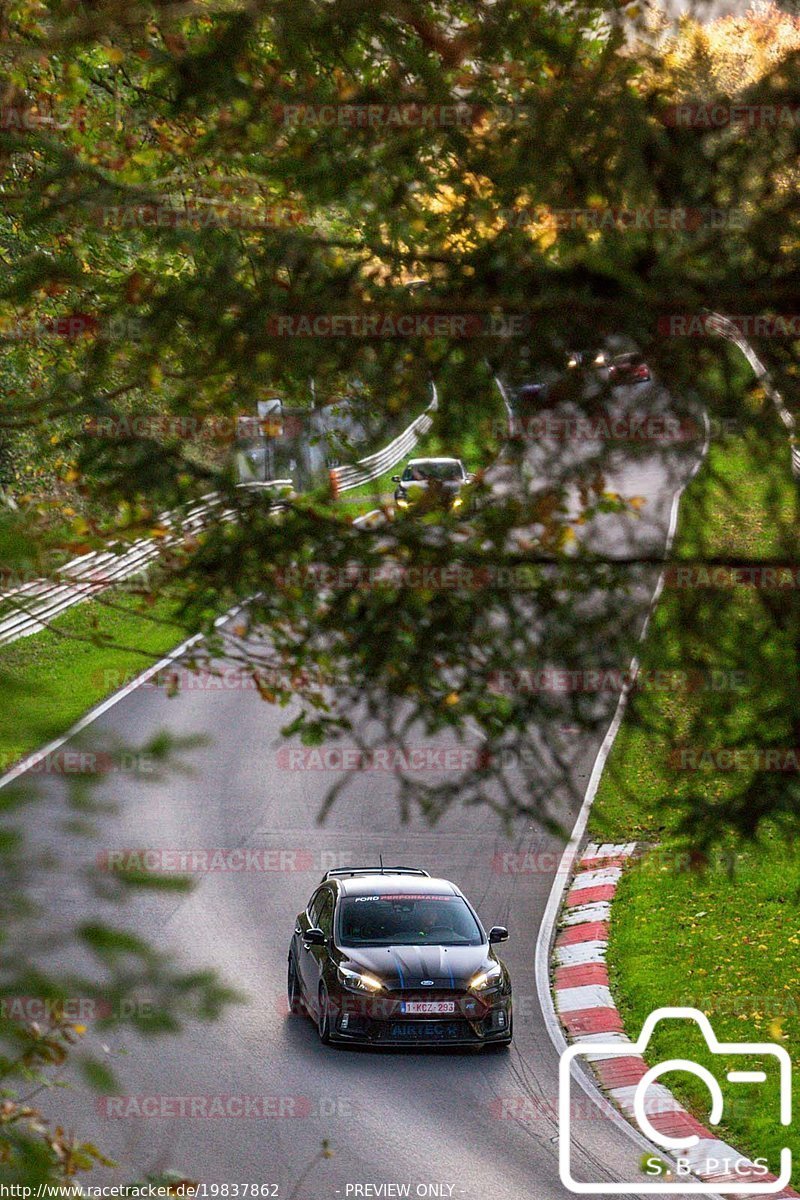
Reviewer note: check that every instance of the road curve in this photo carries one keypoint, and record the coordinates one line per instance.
(444, 1124)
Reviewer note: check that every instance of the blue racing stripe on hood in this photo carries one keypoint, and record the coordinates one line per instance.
(400, 974)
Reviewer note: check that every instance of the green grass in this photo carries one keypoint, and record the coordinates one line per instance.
(728, 947)
(51, 678)
(717, 930)
(742, 504)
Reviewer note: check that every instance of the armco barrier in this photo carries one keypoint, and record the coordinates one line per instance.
(375, 465)
(728, 330)
(509, 410)
(28, 608)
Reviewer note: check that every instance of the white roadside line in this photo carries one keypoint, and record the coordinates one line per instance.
(566, 866)
(32, 760)
(364, 519)
(58, 596)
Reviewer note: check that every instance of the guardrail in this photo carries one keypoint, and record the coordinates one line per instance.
(28, 608)
(509, 409)
(35, 603)
(31, 605)
(727, 329)
(374, 465)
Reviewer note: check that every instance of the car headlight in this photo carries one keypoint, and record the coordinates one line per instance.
(360, 981)
(401, 502)
(457, 502)
(485, 979)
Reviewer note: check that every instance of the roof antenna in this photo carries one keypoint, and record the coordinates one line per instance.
(380, 856)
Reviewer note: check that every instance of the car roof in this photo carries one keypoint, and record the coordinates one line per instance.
(388, 885)
(415, 461)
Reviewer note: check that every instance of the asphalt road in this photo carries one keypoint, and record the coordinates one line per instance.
(472, 1125)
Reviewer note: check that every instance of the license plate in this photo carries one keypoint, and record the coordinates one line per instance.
(436, 1007)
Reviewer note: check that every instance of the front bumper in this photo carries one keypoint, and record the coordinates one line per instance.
(475, 1021)
(450, 503)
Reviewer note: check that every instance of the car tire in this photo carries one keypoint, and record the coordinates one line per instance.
(293, 988)
(324, 1016)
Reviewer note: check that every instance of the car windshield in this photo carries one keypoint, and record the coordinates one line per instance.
(420, 471)
(407, 921)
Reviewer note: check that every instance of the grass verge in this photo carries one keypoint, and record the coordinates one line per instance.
(717, 927)
(51, 678)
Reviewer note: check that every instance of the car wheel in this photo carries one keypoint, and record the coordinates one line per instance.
(293, 988)
(324, 1016)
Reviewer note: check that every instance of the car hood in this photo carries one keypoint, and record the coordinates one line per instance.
(406, 966)
(447, 485)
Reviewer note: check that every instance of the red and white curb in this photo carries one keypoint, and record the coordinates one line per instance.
(587, 1013)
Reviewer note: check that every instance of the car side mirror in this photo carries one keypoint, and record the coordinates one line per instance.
(470, 477)
(315, 937)
(395, 479)
(498, 933)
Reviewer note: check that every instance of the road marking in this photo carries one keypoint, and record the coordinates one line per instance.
(37, 756)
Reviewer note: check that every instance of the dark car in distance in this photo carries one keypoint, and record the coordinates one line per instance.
(627, 369)
(392, 957)
(594, 359)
